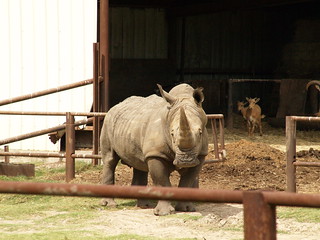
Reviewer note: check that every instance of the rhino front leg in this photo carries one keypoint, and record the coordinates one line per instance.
(189, 178)
(140, 178)
(110, 160)
(160, 174)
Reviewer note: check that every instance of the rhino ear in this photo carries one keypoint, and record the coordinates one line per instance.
(198, 95)
(170, 99)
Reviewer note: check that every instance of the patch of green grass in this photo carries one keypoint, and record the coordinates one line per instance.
(15, 206)
(17, 178)
(300, 214)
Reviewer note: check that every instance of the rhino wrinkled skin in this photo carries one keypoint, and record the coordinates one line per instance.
(157, 135)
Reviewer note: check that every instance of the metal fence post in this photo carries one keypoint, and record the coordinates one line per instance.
(291, 153)
(215, 138)
(96, 103)
(70, 147)
(221, 127)
(6, 158)
(259, 217)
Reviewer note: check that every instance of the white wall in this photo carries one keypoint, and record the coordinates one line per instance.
(44, 44)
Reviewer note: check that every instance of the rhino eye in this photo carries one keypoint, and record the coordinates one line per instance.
(200, 131)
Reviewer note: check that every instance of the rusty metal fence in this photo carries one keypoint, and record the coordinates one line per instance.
(69, 126)
(291, 139)
(259, 207)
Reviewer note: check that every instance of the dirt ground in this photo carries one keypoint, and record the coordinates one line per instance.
(255, 163)
(252, 163)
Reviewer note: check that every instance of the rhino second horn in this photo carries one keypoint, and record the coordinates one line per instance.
(185, 138)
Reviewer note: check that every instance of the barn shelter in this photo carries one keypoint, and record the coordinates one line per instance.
(212, 44)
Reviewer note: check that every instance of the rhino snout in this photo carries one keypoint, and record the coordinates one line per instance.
(186, 159)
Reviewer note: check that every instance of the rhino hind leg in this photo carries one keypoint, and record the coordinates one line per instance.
(110, 160)
(140, 178)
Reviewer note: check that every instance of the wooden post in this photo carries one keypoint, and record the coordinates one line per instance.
(70, 147)
(291, 153)
(259, 217)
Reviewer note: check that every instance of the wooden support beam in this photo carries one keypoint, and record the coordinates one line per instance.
(12, 169)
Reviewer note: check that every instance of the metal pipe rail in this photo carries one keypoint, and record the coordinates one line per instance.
(157, 193)
(46, 92)
(259, 207)
(291, 126)
(49, 154)
(88, 114)
(42, 132)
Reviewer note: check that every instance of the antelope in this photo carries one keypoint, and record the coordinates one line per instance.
(242, 109)
(253, 116)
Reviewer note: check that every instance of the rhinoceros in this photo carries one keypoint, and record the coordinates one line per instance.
(157, 135)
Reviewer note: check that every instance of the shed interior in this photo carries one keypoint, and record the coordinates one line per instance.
(206, 43)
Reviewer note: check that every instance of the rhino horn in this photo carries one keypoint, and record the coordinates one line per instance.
(170, 99)
(185, 140)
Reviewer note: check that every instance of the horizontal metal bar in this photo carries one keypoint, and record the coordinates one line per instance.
(45, 92)
(42, 132)
(214, 116)
(161, 193)
(83, 155)
(91, 114)
(255, 80)
(292, 199)
(33, 154)
(307, 164)
(304, 118)
(75, 155)
(47, 154)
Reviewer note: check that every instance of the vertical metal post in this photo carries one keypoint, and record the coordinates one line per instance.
(70, 147)
(6, 158)
(104, 53)
(291, 153)
(221, 129)
(259, 217)
(215, 138)
(230, 105)
(96, 103)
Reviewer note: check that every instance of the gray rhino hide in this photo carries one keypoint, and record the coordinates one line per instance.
(138, 128)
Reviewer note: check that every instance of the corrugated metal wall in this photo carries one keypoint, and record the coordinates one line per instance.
(218, 46)
(235, 42)
(138, 33)
(44, 44)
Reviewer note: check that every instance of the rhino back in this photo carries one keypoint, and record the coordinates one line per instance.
(126, 125)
